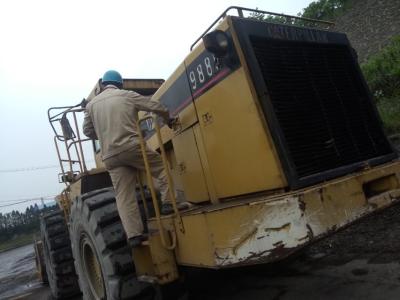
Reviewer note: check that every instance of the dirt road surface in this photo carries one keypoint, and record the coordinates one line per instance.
(361, 262)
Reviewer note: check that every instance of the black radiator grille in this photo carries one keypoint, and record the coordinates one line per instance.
(321, 105)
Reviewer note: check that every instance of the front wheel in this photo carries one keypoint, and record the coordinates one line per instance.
(103, 259)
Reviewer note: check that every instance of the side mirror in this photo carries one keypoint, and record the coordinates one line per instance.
(218, 43)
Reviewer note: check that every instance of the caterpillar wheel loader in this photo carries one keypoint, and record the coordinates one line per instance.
(278, 144)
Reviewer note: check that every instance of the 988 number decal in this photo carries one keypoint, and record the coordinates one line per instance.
(201, 71)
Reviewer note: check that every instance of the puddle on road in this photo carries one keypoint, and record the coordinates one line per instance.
(17, 271)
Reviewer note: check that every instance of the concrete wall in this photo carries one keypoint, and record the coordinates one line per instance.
(369, 24)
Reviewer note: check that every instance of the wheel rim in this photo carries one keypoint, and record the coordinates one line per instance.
(92, 268)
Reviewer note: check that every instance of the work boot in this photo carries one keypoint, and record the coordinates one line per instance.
(184, 205)
(137, 241)
(167, 208)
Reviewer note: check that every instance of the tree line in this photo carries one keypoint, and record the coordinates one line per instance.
(15, 223)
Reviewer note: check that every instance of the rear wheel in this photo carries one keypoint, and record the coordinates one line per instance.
(57, 256)
(39, 261)
(102, 257)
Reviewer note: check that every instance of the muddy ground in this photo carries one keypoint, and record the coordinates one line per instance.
(17, 275)
(361, 262)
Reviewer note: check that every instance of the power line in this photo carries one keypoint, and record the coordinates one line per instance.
(29, 169)
(7, 205)
(35, 168)
(22, 200)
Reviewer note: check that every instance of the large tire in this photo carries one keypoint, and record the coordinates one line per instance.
(103, 259)
(39, 261)
(57, 255)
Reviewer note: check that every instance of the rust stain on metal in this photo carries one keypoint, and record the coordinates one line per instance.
(269, 255)
(254, 255)
(223, 259)
(302, 204)
(321, 195)
(283, 227)
(373, 205)
(244, 239)
(310, 233)
(303, 238)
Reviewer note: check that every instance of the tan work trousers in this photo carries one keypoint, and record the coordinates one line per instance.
(123, 172)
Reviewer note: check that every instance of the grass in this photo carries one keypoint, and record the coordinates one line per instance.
(19, 241)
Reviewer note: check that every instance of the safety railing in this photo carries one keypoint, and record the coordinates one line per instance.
(71, 138)
(150, 183)
(293, 20)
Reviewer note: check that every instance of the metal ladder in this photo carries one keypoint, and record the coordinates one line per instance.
(150, 184)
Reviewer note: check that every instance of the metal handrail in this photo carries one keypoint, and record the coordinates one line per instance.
(240, 13)
(75, 142)
(54, 118)
(141, 189)
(151, 184)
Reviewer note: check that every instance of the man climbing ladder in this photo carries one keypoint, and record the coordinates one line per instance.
(111, 118)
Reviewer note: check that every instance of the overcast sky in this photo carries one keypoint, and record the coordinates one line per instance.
(52, 53)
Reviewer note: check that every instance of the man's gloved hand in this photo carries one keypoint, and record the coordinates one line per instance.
(173, 123)
(84, 103)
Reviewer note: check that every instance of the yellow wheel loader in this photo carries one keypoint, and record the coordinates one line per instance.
(278, 144)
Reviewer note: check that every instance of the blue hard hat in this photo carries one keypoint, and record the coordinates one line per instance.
(112, 77)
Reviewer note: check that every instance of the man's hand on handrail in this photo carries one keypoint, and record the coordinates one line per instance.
(173, 123)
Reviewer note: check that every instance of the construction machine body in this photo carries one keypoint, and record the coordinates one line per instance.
(278, 144)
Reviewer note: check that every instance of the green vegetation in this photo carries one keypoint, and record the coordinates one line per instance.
(18, 229)
(327, 10)
(18, 241)
(382, 72)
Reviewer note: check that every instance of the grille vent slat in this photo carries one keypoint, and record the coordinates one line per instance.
(320, 103)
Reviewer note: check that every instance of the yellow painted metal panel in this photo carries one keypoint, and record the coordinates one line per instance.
(241, 157)
(269, 228)
(154, 262)
(143, 261)
(206, 166)
(163, 260)
(258, 230)
(189, 167)
(344, 200)
(175, 174)
(194, 246)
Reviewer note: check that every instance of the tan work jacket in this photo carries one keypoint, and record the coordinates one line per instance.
(111, 118)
